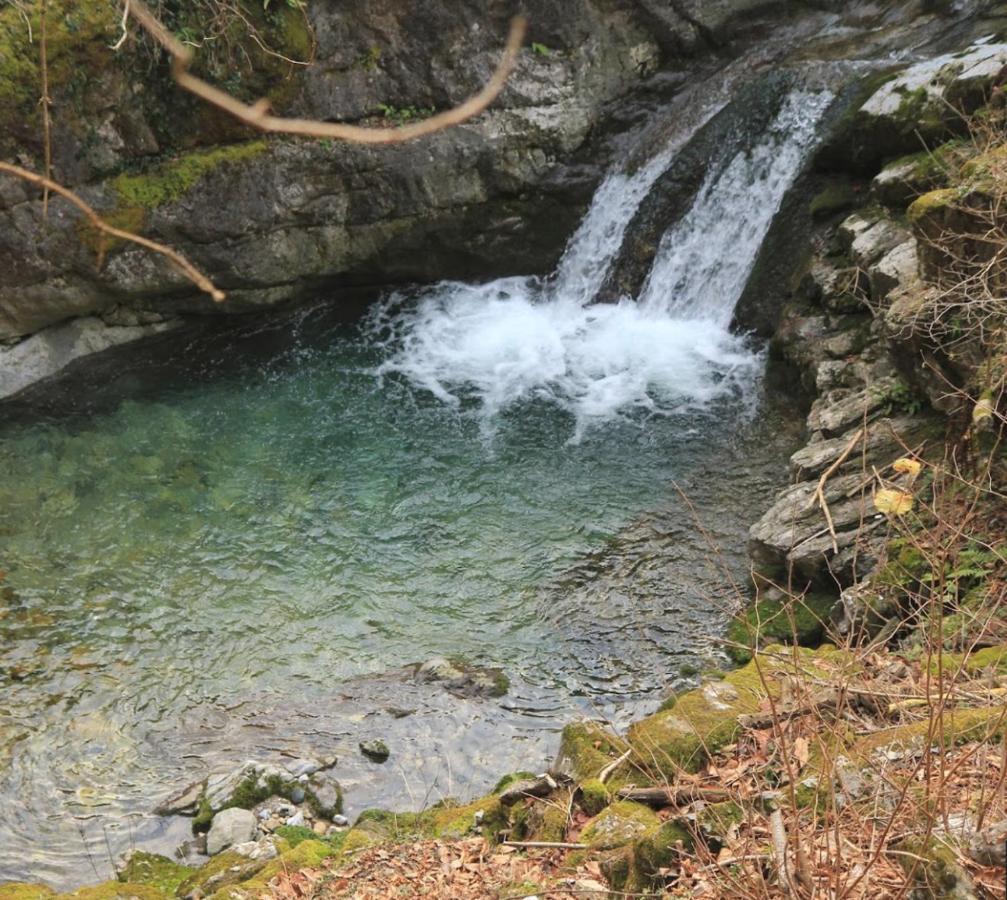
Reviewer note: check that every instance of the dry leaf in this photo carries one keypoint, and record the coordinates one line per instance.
(907, 466)
(892, 502)
(801, 751)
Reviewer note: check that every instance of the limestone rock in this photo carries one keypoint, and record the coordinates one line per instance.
(923, 102)
(230, 826)
(53, 349)
(833, 415)
(899, 266)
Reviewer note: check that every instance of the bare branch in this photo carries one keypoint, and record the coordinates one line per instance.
(186, 267)
(258, 115)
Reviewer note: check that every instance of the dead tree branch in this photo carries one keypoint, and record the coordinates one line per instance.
(257, 115)
(176, 258)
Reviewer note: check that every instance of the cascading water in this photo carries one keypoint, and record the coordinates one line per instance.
(518, 339)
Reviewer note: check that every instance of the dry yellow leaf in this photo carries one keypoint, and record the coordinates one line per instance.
(893, 503)
(907, 466)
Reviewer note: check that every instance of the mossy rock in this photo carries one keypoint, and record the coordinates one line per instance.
(19, 890)
(657, 850)
(158, 871)
(837, 197)
(769, 620)
(939, 875)
(586, 748)
(306, 855)
(541, 820)
(458, 822)
(706, 719)
(512, 778)
(111, 890)
(594, 796)
(717, 820)
(932, 208)
(959, 726)
(225, 869)
(619, 825)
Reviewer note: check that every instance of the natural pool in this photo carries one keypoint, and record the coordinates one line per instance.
(239, 539)
(226, 543)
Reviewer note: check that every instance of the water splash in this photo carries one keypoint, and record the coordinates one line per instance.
(519, 339)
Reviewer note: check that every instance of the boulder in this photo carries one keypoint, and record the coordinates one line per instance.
(899, 266)
(229, 827)
(919, 106)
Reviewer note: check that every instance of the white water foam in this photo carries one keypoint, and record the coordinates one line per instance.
(517, 339)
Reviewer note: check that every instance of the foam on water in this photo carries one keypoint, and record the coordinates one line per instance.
(516, 339)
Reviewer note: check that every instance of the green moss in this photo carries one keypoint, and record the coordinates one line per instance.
(586, 748)
(295, 834)
(357, 839)
(204, 816)
(939, 874)
(157, 871)
(173, 179)
(706, 719)
(798, 621)
(959, 725)
(17, 890)
(78, 36)
(594, 796)
(619, 825)
(931, 204)
(510, 779)
(718, 819)
(541, 820)
(306, 855)
(657, 850)
(458, 822)
(224, 869)
(110, 890)
(836, 198)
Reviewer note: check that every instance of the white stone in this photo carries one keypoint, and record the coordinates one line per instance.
(229, 827)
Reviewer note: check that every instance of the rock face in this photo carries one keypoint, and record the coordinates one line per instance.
(914, 108)
(274, 220)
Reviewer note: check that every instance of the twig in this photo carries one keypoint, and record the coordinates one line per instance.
(779, 835)
(820, 491)
(545, 845)
(670, 795)
(186, 267)
(258, 116)
(604, 774)
(124, 25)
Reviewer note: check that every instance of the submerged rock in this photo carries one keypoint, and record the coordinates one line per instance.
(375, 751)
(464, 680)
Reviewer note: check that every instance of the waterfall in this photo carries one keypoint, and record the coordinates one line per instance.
(703, 263)
(522, 339)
